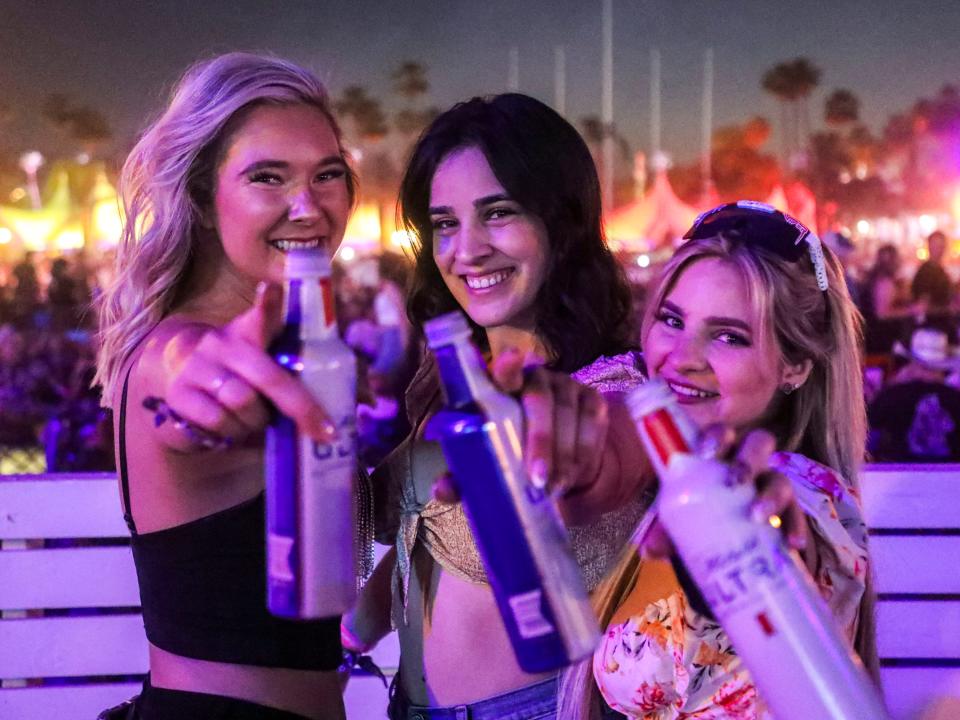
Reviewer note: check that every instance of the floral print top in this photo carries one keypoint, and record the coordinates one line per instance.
(668, 662)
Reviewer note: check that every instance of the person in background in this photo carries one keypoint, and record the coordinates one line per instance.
(844, 249)
(751, 326)
(887, 311)
(932, 288)
(26, 293)
(63, 296)
(916, 418)
(390, 351)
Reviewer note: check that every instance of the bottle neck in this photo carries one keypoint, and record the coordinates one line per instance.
(308, 306)
(463, 373)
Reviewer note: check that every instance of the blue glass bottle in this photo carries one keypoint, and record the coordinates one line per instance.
(518, 531)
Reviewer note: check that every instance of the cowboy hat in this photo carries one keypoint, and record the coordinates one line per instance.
(931, 348)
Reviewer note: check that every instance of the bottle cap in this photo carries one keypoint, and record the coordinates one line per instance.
(649, 397)
(663, 426)
(445, 329)
(312, 262)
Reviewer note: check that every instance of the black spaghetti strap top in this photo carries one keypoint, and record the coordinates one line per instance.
(203, 588)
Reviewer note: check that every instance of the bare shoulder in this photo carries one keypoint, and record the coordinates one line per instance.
(171, 482)
(165, 350)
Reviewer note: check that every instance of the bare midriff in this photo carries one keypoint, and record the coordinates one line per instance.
(459, 651)
(312, 693)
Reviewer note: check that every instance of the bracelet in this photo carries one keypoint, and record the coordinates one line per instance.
(204, 438)
(353, 660)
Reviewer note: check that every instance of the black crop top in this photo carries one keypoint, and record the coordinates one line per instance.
(203, 589)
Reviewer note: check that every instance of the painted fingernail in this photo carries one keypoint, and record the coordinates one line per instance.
(538, 473)
(709, 447)
(797, 541)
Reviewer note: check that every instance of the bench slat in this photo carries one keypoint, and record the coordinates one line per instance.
(916, 564)
(72, 646)
(909, 690)
(68, 578)
(77, 702)
(917, 629)
(49, 506)
(911, 496)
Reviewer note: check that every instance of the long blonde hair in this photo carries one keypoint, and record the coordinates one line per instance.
(825, 419)
(168, 181)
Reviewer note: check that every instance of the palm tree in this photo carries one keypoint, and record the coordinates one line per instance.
(80, 123)
(841, 108)
(365, 111)
(791, 83)
(410, 80)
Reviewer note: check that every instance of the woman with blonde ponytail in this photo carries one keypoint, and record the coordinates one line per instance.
(752, 327)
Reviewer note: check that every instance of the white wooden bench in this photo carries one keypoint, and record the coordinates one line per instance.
(99, 650)
(96, 654)
(913, 512)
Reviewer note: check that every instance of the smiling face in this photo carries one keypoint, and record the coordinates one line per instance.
(705, 342)
(281, 184)
(491, 252)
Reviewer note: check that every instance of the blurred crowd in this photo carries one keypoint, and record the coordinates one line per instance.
(49, 412)
(50, 417)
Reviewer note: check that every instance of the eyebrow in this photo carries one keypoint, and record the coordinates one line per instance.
(284, 165)
(712, 319)
(478, 203)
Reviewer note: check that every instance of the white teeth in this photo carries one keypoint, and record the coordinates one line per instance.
(295, 244)
(690, 392)
(486, 281)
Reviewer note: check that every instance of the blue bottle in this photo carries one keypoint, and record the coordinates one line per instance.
(311, 561)
(518, 531)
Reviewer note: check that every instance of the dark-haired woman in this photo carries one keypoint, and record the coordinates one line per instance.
(503, 199)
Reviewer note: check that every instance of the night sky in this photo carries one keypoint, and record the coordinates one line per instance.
(121, 56)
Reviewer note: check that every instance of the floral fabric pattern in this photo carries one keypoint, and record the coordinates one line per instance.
(668, 662)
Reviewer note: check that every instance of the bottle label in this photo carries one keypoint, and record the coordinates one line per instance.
(526, 612)
(343, 447)
(743, 576)
(280, 554)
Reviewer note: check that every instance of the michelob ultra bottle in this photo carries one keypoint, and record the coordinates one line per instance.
(310, 485)
(761, 594)
(518, 530)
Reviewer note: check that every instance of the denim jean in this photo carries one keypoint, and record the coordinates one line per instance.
(534, 702)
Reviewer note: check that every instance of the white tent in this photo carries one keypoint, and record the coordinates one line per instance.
(660, 218)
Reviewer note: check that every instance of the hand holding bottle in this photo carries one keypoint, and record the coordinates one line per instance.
(223, 378)
(578, 442)
(749, 465)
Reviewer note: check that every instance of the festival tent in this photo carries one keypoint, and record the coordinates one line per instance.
(803, 204)
(778, 198)
(659, 219)
(797, 200)
(55, 224)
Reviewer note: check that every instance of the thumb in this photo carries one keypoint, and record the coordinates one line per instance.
(262, 322)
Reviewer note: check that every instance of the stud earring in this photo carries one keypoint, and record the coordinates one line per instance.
(789, 388)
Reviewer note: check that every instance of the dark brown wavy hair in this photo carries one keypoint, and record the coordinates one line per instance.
(583, 308)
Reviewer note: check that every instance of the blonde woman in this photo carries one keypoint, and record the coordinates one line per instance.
(244, 163)
(751, 325)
